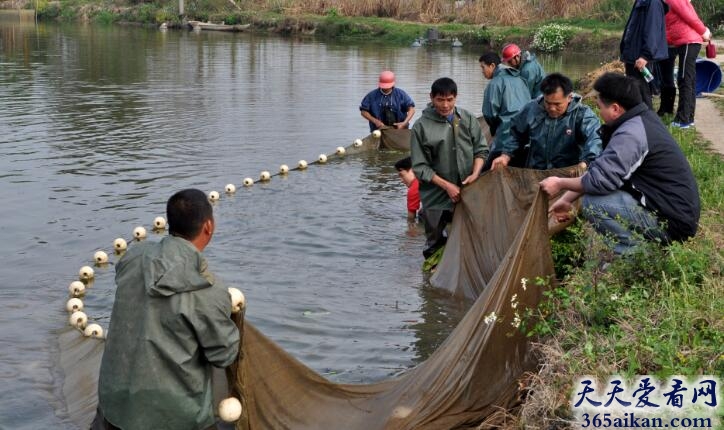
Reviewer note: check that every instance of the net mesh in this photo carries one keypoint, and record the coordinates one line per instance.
(498, 245)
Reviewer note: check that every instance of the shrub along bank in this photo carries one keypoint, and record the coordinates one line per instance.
(588, 24)
(354, 20)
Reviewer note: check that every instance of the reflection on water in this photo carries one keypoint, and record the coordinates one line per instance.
(99, 125)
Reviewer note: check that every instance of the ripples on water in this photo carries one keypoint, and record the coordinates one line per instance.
(99, 125)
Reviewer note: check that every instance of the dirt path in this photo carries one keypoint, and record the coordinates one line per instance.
(710, 123)
(709, 119)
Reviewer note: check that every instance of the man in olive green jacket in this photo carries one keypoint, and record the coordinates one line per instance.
(448, 151)
(170, 323)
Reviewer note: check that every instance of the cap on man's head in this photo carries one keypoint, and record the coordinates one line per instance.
(509, 51)
(387, 80)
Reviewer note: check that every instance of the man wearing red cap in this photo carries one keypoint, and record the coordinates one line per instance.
(530, 69)
(387, 105)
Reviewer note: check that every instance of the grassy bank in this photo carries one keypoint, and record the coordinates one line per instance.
(659, 312)
(579, 34)
(477, 12)
(590, 25)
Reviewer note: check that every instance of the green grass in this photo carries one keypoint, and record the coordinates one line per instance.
(657, 312)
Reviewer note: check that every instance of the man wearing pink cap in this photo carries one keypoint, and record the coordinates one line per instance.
(387, 105)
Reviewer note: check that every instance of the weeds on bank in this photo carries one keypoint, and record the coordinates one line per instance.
(659, 311)
(552, 37)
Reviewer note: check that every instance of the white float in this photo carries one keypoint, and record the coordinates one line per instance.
(159, 223)
(74, 305)
(76, 288)
(120, 245)
(340, 150)
(302, 164)
(78, 319)
(86, 273)
(357, 143)
(377, 134)
(214, 196)
(139, 233)
(230, 409)
(322, 158)
(93, 330)
(264, 176)
(100, 257)
(248, 182)
(283, 169)
(238, 301)
(230, 189)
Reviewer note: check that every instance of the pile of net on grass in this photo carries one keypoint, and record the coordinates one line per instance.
(585, 85)
(499, 236)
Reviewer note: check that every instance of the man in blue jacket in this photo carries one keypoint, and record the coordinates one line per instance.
(644, 42)
(387, 105)
(554, 130)
(641, 185)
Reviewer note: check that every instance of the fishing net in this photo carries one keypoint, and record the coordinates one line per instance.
(399, 139)
(498, 247)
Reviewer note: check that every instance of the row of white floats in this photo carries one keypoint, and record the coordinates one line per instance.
(230, 409)
(77, 288)
(265, 175)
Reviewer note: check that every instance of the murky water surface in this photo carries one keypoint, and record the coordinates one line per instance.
(100, 125)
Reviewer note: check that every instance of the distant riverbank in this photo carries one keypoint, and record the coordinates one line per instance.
(580, 35)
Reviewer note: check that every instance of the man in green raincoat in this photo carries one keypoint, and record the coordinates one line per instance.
(530, 69)
(504, 96)
(448, 151)
(170, 323)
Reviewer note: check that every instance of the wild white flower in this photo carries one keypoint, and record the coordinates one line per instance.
(524, 283)
(614, 297)
(491, 318)
(516, 320)
(552, 37)
(514, 301)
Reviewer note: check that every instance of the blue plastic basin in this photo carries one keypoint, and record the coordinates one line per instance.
(708, 76)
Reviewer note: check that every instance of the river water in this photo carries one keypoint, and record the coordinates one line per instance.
(100, 125)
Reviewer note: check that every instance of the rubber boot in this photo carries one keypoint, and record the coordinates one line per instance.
(668, 96)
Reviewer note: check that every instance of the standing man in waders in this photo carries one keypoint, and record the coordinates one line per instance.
(387, 105)
(448, 152)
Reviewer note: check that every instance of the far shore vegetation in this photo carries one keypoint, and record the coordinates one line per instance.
(583, 25)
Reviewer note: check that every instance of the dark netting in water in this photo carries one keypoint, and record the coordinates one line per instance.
(499, 237)
(399, 139)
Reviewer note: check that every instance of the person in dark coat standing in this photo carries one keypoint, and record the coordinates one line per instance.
(644, 42)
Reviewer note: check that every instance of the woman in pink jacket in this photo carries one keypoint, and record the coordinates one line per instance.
(684, 34)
